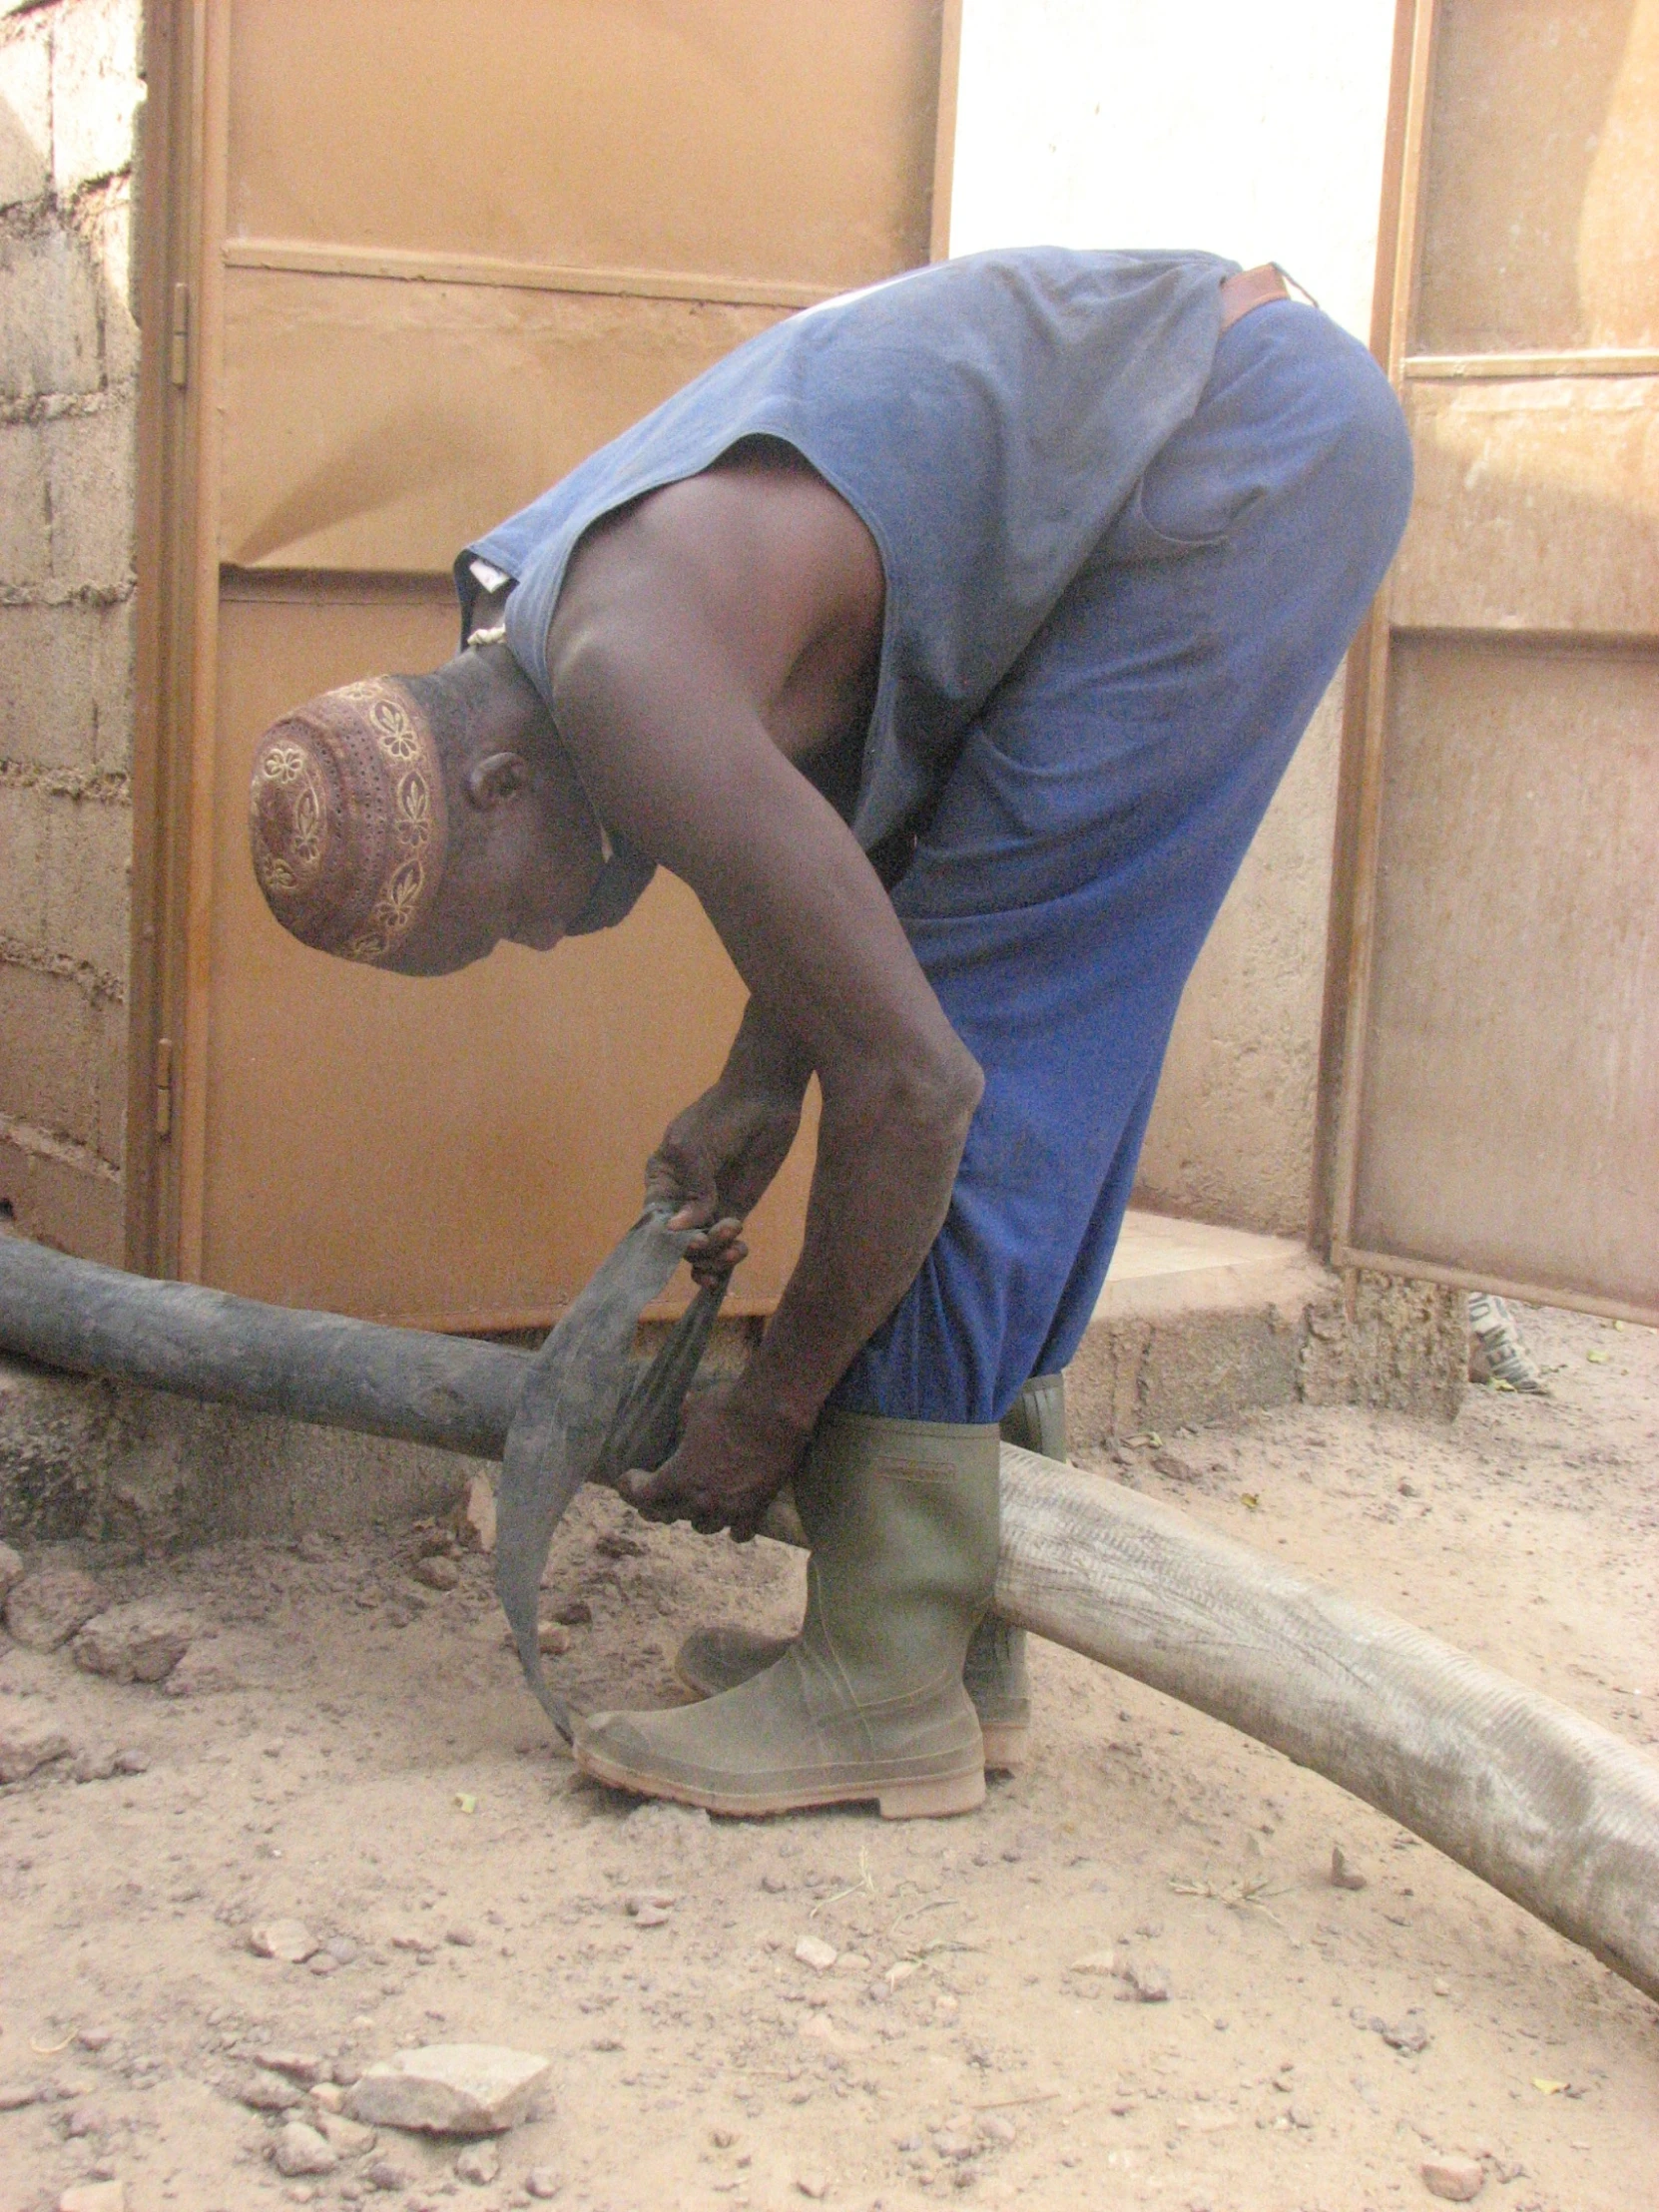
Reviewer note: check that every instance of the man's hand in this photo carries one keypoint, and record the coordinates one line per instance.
(714, 1164)
(718, 1159)
(732, 1460)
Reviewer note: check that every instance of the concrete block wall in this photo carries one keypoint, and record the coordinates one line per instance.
(70, 97)
(87, 1459)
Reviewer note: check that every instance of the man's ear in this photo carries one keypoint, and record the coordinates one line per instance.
(496, 779)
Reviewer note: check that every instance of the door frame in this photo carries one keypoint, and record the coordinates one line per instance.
(1348, 936)
(166, 220)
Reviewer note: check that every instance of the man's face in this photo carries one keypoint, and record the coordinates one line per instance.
(524, 844)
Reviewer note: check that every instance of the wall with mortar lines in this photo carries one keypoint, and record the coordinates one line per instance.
(70, 94)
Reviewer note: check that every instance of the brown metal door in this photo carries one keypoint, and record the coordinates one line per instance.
(1500, 1105)
(446, 248)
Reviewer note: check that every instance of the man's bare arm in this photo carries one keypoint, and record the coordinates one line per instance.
(659, 691)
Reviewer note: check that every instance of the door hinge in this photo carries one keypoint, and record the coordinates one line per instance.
(163, 1089)
(179, 346)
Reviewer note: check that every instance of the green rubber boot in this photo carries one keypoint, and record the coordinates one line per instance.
(868, 1701)
(714, 1660)
(994, 1673)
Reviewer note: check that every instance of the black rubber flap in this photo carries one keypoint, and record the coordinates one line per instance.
(587, 1412)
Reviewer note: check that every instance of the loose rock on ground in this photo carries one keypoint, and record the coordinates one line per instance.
(300, 2149)
(291, 1941)
(132, 1643)
(45, 1608)
(26, 1745)
(1457, 2180)
(450, 2089)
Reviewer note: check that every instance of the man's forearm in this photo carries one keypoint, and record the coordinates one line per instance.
(765, 1058)
(889, 1144)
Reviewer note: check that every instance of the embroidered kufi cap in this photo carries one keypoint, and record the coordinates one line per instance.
(346, 818)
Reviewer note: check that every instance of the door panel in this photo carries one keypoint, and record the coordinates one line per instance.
(1542, 214)
(450, 248)
(729, 138)
(366, 426)
(1512, 1079)
(1537, 505)
(1500, 1119)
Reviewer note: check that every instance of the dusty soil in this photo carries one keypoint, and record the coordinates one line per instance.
(355, 1750)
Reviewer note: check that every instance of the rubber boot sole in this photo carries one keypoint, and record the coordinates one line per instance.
(934, 1797)
(1006, 1740)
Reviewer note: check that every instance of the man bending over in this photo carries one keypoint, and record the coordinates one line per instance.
(950, 641)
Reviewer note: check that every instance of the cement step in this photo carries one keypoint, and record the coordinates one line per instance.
(1163, 1264)
(1198, 1321)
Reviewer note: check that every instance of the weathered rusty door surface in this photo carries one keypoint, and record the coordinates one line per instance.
(1501, 1120)
(447, 248)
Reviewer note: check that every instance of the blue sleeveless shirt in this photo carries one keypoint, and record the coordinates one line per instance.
(985, 418)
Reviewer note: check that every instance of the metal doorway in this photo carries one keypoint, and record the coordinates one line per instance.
(1498, 1025)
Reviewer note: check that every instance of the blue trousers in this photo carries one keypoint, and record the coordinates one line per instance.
(1098, 812)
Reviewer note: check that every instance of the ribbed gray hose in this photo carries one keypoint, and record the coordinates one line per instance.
(1558, 1813)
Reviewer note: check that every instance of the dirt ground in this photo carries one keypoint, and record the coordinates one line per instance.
(355, 1750)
